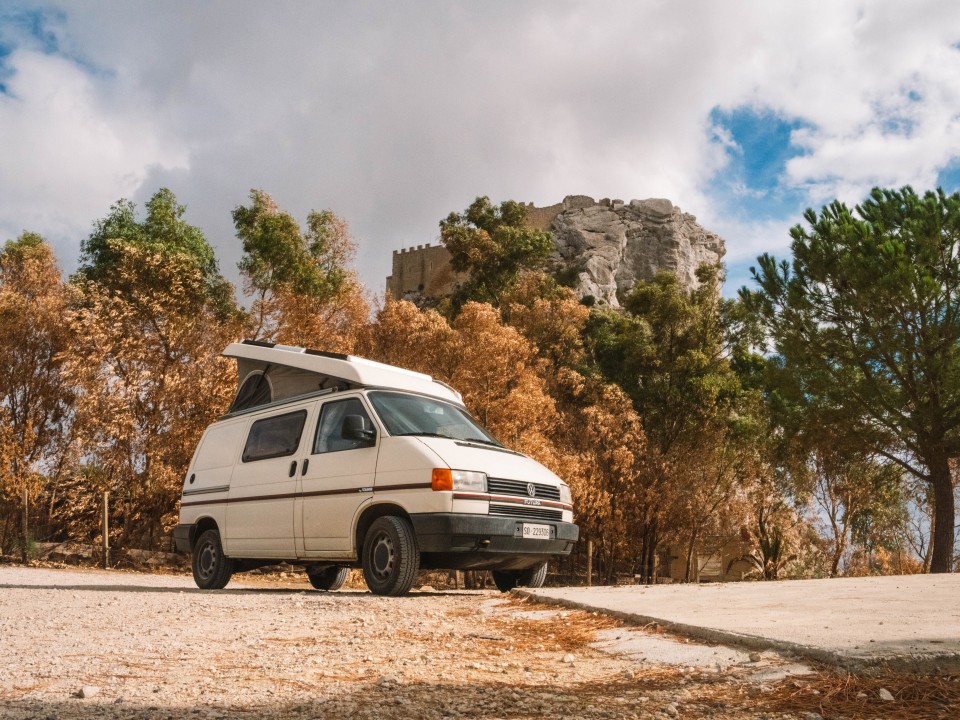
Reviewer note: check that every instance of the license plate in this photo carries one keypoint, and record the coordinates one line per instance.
(536, 532)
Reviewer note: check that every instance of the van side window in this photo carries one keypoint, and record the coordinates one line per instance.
(329, 436)
(274, 436)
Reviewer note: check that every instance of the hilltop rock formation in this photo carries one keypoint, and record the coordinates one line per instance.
(603, 248)
(610, 244)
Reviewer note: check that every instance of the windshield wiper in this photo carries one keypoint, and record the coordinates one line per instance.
(424, 434)
(483, 441)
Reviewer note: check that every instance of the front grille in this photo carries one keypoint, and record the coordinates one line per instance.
(496, 486)
(527, 512)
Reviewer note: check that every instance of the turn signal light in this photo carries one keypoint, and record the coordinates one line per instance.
(442, 479)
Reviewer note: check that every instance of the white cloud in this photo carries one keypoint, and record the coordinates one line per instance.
(66, 157)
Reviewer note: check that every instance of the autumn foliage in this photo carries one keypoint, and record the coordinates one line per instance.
(668, 427)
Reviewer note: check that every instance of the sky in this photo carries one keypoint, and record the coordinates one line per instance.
(392, 115)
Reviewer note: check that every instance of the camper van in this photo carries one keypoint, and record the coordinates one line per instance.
(331, 462)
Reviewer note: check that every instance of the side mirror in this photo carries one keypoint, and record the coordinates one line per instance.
(356, 427)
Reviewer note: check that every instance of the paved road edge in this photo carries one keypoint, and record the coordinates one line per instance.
(927, 663)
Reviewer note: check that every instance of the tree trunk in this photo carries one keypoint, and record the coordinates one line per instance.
(691, 548)
(25, 530)
(649, 553)
(943, 523)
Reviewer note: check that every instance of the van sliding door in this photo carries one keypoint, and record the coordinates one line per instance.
(263, 487)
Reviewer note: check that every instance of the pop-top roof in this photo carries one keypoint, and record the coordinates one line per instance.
(353, 371)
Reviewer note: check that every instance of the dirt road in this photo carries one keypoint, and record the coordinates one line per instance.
(83, 644)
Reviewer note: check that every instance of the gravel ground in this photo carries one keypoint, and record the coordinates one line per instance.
(85, 644)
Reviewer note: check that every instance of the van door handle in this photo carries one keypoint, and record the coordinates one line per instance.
(303, 470)
(293, 468)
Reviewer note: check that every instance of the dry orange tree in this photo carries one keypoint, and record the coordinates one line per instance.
(149, 378)
(151, 317)
(34, 399)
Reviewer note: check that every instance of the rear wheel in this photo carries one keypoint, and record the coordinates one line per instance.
(507, 580)
(329, 578)
(391, 557)
(211, 568)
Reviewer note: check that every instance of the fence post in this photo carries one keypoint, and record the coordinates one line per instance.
(589, 563)
(26, 524)
(106, 529)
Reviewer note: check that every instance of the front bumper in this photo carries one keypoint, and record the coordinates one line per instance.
(468, 541)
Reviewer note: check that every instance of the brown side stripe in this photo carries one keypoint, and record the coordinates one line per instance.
(314, 493)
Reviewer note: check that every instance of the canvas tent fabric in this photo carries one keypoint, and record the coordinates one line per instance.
(276, 382)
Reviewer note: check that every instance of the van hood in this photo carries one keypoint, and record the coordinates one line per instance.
(495, 462)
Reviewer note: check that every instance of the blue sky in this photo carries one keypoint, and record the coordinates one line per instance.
(392, 117)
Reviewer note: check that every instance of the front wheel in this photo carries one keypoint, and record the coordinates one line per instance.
(329, 579)
(211, 568)
(391, 557)
(507, 580)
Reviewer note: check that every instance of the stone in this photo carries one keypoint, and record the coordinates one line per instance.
(755, 657)
(608, 248)
(671, 710)
(568, 658)
(88, 691)
(885, 695)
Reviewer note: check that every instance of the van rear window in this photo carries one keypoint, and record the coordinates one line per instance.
(273, 437)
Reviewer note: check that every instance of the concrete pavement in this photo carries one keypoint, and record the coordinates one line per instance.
(909, 623)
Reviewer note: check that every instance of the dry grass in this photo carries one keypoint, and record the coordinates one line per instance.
(854, 696)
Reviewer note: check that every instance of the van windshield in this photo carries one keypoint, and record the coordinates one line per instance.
(416, 415)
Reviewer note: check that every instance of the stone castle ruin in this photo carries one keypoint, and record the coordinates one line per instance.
(602, 247)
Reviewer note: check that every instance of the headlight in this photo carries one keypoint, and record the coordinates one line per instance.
(447, 479)
(469, 480)
(565, 496)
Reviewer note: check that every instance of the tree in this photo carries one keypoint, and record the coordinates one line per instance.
(868, 317)
(151, 319)
(304, 293)
(612, 488)
(149, 377)
(35, 401)
(163, 231)
(493, 244)
(550, 317)
(668, 353)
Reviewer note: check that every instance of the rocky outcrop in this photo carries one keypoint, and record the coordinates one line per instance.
(609, 245)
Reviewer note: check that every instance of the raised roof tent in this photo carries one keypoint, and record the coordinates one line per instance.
(267, 373)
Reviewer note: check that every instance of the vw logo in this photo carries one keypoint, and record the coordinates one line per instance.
(531, 490)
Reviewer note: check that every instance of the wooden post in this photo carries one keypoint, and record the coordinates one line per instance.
(106, 529)
(26, 524)
(589, 563)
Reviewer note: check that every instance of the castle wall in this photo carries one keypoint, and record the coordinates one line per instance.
(423, 270)
(542, 218)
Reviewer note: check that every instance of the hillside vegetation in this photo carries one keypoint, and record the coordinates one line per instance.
(811, 424)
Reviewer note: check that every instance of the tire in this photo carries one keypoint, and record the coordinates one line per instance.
(329, 578)
(507, 580)
(391, 557)
(211, 568)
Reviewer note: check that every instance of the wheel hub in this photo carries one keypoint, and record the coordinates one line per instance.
(382, 555)
(208, 560)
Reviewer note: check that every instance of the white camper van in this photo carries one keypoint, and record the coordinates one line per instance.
(332, 461)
